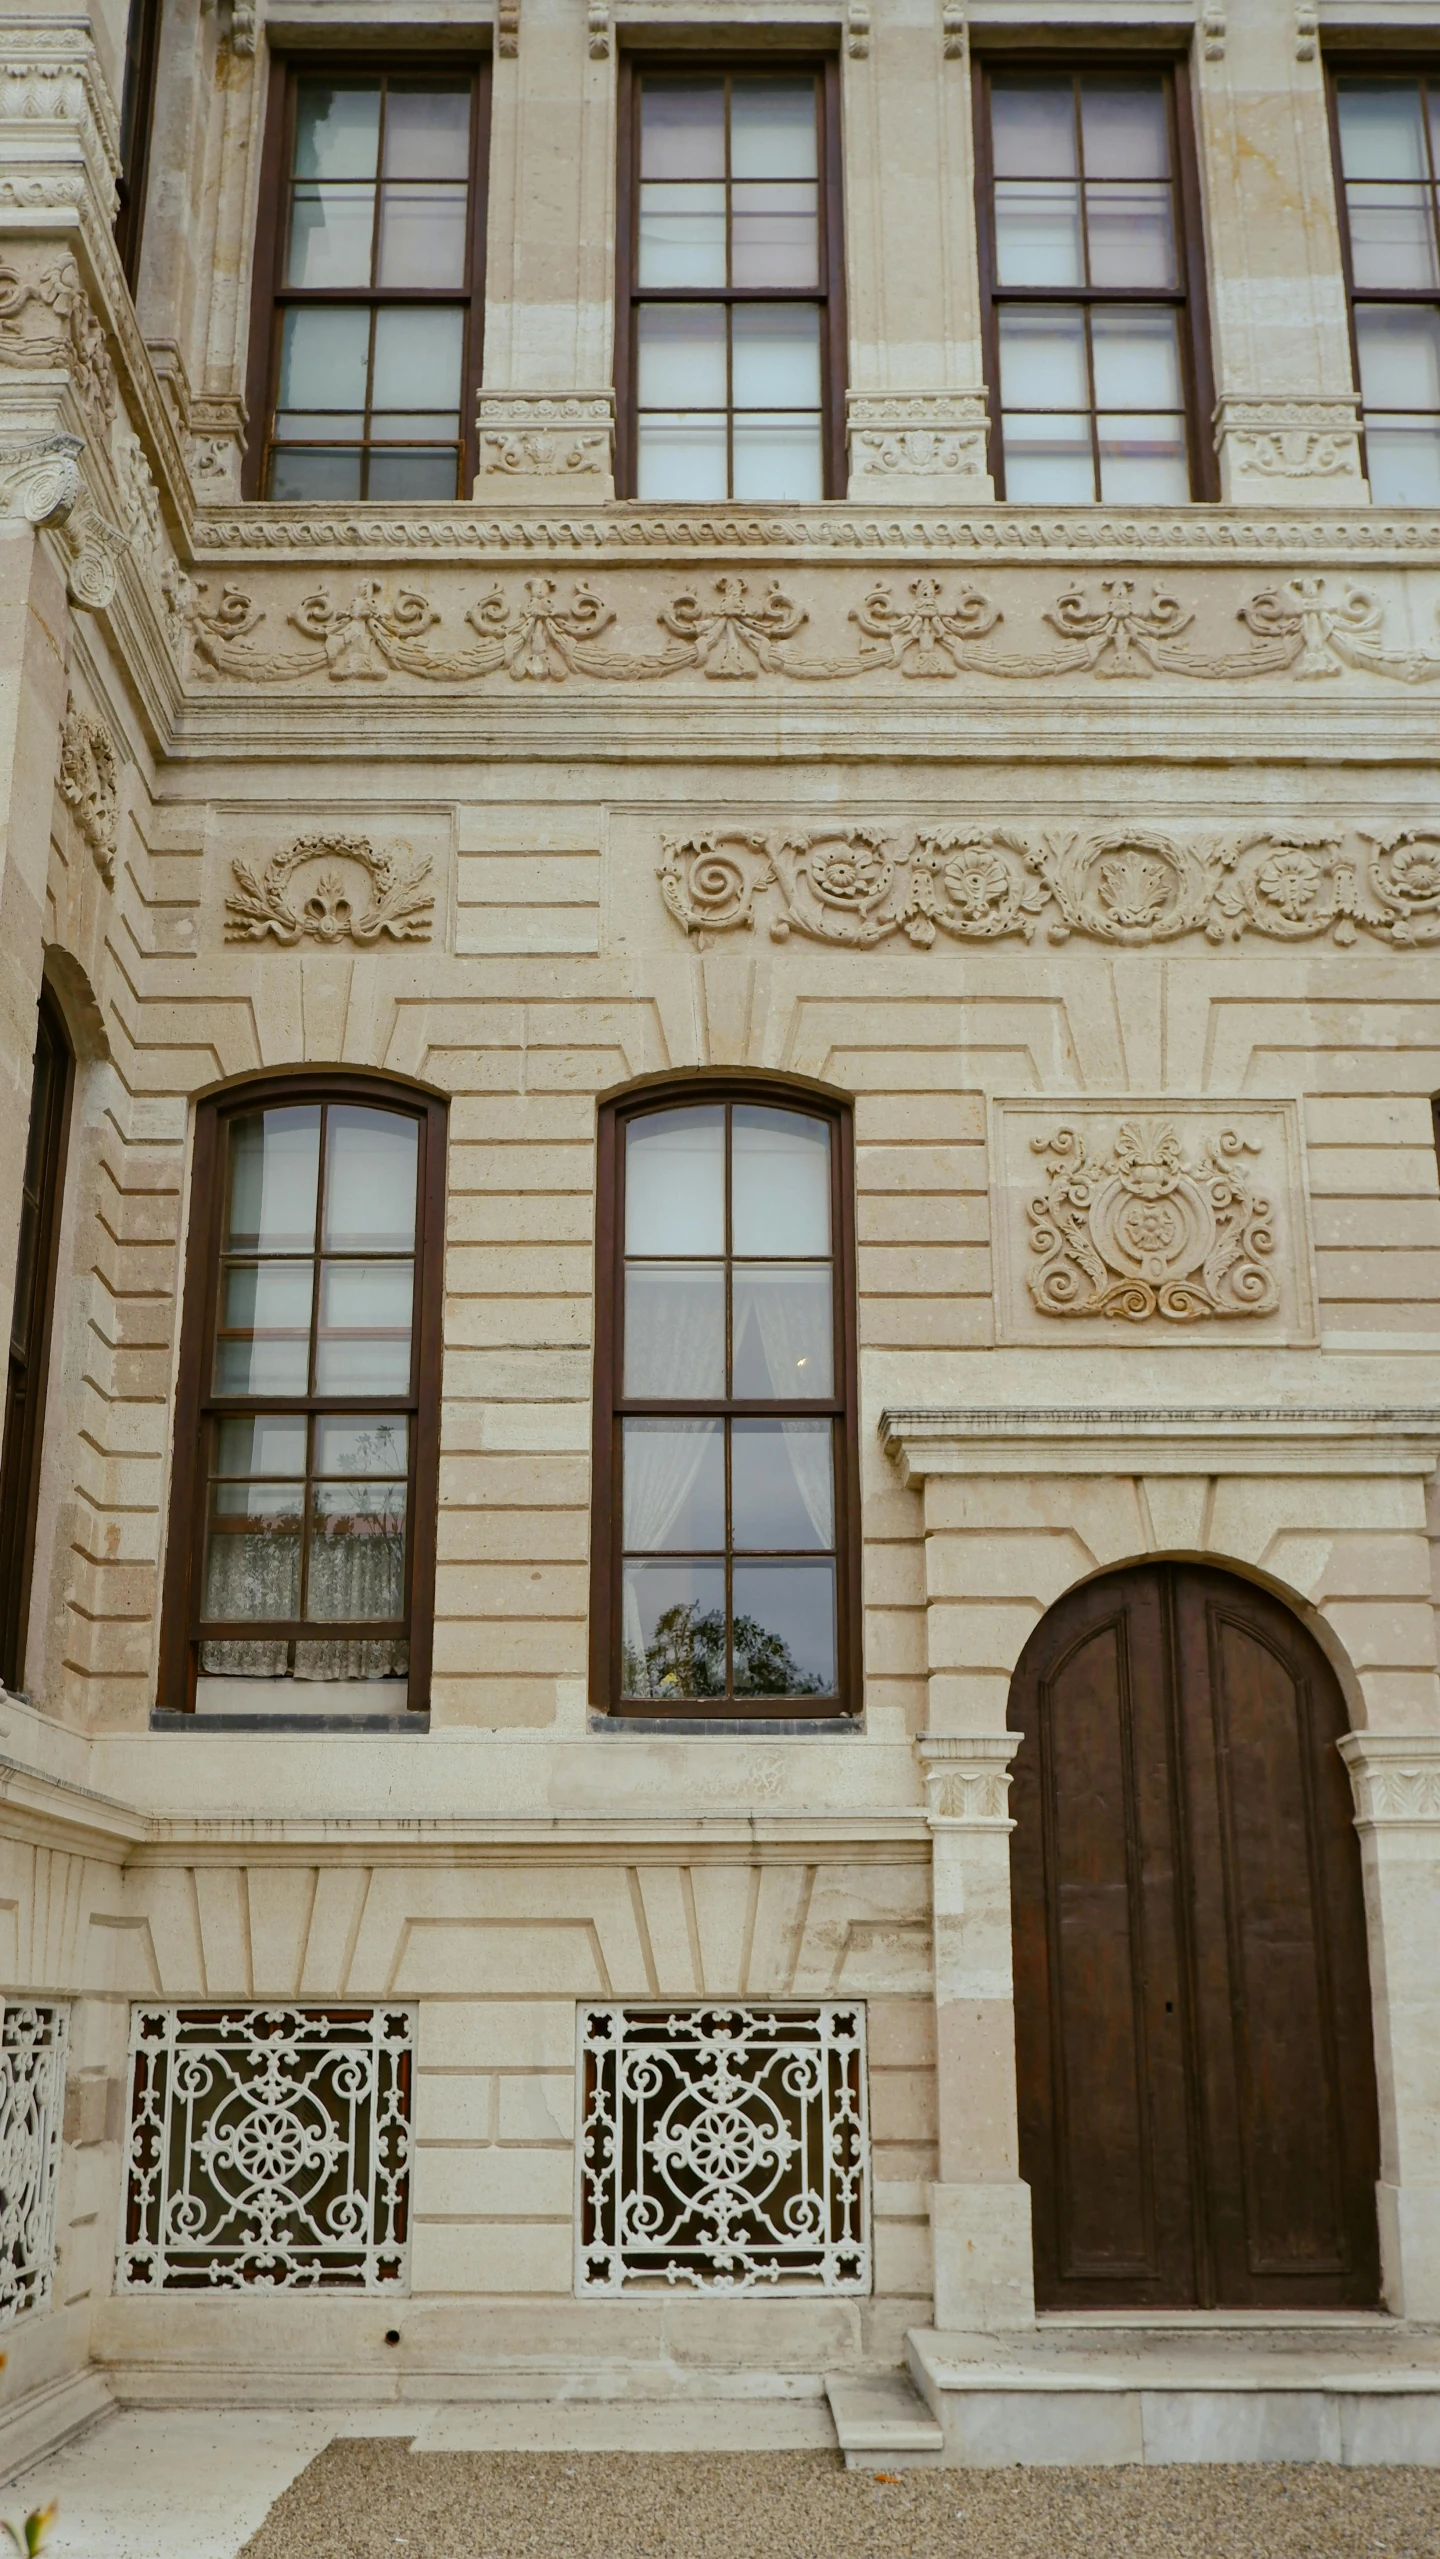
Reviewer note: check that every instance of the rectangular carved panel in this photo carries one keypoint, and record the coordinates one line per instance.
(33, 2039)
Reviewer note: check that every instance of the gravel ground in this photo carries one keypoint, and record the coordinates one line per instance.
(375, 2500)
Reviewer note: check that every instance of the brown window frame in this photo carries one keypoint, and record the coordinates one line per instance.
(28, 1364)
(137, 123)
(270, 295)
(194, 1400)
(1372, 66)
(1189, 296)
(610, 1404)
(829, 293)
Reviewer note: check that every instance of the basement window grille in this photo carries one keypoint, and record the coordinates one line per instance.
(268, 2147)
(33, 2041)
(726, 2149)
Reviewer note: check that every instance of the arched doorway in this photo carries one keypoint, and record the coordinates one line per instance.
(1196, 2071)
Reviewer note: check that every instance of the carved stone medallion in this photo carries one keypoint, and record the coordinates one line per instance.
(332, 888)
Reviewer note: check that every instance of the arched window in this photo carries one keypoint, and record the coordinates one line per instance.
(726, 1507)
(302, 1527)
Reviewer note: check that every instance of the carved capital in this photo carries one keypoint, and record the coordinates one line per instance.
(40, 478)
(55, 107)
(967, 1779)
(548, 437)
(1395, 1778)
(94, 549)
(914, 443)
(1261, 441)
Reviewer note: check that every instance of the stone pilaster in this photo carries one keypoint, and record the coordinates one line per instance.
(1396, 1780)
(1286, 420)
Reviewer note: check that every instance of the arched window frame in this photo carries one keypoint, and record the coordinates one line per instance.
(606, 1683)
(179, 1643)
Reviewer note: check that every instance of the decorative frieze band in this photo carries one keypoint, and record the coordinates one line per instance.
(859, 886)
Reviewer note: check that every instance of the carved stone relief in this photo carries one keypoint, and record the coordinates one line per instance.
(726, 629)
(1141, 1218)
(89, 784)
(526, 436)
(353, 894)
(858, 886)
(45, 318)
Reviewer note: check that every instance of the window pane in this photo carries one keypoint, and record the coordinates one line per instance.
(1136, 355)
(681, 352)
(331, 231)
(673, 1630)
(412, 472)
(422, 235)
(775, 358)
(315, 472)
(370, 1166)
(1380, 131)
(259, 1444)
(1048, 460)
(427, 130)
(1131, 235)
(323, 358)
(337, 128)
(264, 1344)
(361, 1443)
(274, 1168)
(674, 1486)
(1392, 235)
(1143, 461)
(682, 458)
(675, 1181)
(772, 129)
(1042, 359)
(682, 235)
(1032, 124)
(1037, 232)
(1399, 357)
(363, 1346)
(782, 1489)
(682, 129)
(780, 1182)
(252, 1551)
(357, 1551)
(1123, 129)
(779, 460)
(783, 1332)
(784, 1638)
(674, 1332)
(775, 235)
(1404, 459)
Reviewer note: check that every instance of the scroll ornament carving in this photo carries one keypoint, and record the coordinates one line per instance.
(40, 477)
(1293, 439)
(1301, 628)
(268, 904)
(857, 886)
(89, 784)
(1142, 1232)
(46, 318)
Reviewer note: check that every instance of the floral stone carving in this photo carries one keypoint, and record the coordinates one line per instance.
(1145, 1230)
(274, 904)
(89, 784)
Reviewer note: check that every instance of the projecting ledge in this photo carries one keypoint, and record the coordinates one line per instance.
(1153, 1439)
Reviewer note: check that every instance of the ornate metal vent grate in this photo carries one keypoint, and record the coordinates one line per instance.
(725, 2148)
(32, 2098)
(267, 2146)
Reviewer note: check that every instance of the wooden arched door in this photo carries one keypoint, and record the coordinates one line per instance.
(1196, 2071)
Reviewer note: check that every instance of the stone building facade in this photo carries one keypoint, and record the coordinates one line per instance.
(1065, 866)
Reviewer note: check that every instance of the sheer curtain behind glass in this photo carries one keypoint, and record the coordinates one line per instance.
(307, 1502)
(728, 1574)
(1087, 285)
(728, 309)
(1389, 133)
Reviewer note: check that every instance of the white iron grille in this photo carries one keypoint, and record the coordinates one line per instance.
(32, 2098)
(267, 2146)
(724, 2148)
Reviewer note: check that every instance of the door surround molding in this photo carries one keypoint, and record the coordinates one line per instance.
(1325, 1506)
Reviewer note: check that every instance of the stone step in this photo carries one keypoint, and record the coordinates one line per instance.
(1350, 2391)
(882, 2423)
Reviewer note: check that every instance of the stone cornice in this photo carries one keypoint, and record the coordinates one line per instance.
(1160, 1439)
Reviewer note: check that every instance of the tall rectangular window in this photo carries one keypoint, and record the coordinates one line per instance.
(731, 365)
(1387, 135)
(369, 284)
(723, 1467)
(1095, 353)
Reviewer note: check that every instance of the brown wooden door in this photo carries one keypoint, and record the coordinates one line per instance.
(1196, 2070)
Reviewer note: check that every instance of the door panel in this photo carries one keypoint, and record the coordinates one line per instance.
(1197, 2106)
